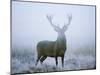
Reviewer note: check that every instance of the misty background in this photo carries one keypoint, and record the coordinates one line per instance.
(30, 25)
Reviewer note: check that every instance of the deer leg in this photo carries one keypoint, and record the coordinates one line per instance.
(43, 58)
(38, 60)
(62, 58)
(56, 61)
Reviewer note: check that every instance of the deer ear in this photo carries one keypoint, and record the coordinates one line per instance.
(64, 28)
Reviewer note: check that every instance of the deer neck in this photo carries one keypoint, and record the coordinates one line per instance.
(61, 41)
(61, 38)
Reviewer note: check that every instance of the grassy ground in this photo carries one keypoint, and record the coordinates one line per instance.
(23, 61)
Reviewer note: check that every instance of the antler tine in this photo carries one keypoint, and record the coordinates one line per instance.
(50, 19)
(53, 25)
(69, 19)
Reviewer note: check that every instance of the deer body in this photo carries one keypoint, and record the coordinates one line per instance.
(53, 48)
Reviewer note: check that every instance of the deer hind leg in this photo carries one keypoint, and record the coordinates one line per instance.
(38, 58)
(56, 59)
(42, 59)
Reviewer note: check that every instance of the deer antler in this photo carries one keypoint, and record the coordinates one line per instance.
(50, 20)
(69, 21)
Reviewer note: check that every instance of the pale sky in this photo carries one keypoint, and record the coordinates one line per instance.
(30, 25)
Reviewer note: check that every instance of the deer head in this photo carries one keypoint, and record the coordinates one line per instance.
(57, 28)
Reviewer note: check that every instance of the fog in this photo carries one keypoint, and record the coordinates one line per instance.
(30, 25)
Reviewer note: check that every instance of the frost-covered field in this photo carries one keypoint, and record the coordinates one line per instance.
(23, 61)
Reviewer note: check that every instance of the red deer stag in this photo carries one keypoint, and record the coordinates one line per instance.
(53, 48)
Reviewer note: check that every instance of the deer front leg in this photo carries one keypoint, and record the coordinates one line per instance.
(56, 59)
(62, 58)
